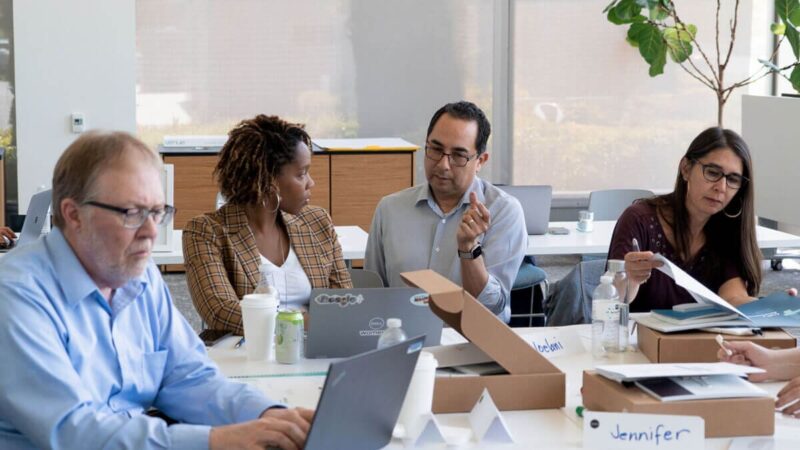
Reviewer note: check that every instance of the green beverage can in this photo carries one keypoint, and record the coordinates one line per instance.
(289, 336)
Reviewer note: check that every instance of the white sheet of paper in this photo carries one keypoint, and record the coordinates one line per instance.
(621, 431)
(425, 431)
(620, 372)
(487, 422)
(554, 343)
(697, 289)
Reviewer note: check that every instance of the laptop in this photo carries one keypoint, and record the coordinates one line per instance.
(34, 219)
(345, 322)
(535, 201)
(362, 397)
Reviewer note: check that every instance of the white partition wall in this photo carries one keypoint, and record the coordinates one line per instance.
(70, 57)
(769, 126)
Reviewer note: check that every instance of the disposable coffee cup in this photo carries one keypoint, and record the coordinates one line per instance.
(419, 397)
(259, 313)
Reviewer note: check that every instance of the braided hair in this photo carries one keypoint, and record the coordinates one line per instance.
(256, 151)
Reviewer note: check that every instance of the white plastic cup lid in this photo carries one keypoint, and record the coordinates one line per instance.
(394, 322)
(268, 300)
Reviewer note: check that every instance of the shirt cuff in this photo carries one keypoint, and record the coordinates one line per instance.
(253, 407)
(183, 436)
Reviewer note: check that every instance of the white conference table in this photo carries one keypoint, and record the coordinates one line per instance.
(301, 384)
(352, 239)
(598, 240)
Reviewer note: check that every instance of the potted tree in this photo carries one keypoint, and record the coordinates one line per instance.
(657, 30)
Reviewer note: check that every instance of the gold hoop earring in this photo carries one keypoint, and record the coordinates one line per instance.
(277, 202)
(733, 216)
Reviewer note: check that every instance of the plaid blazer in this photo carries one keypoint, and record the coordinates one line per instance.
(222, 259)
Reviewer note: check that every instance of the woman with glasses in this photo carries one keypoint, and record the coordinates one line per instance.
(706, 226)
(267, 221)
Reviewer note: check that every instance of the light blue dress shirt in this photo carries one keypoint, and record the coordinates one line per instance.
(77, 373)
(410, 232)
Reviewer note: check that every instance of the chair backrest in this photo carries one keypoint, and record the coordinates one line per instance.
(609, 204)
(365, 278)
(535, 202)
(569, 301)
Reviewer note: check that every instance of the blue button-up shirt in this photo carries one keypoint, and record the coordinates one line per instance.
(78, 373)
(410, 232)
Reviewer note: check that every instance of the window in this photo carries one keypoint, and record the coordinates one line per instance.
(587, 115)
(345, 68)
(7, 113)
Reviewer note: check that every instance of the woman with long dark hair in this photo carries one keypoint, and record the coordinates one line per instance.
(706, 226)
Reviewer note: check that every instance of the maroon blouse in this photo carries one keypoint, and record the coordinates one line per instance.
(640, 221)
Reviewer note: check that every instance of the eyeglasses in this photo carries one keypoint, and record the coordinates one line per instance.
(455, 159)
(713, 173)
(135, 217)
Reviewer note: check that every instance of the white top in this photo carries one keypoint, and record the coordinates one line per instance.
(290, 280)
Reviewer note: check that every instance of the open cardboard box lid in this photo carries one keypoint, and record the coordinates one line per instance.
(476, 323)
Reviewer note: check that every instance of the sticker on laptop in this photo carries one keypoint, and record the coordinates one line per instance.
(420, 299)
(343, 301)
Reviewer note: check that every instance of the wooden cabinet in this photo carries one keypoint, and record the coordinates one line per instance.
(349, 185)
(360, 181)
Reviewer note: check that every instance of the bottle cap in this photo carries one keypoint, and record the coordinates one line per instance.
(616, 265)
(394, 323)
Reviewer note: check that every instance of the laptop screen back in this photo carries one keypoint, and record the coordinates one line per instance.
(535, 201)
(345, 322)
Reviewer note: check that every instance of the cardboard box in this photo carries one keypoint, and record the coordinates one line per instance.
(699, 346)
(532, 381)
(724, 417)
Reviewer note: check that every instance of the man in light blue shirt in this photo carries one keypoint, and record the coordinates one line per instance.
(90, 337)
(462, 227)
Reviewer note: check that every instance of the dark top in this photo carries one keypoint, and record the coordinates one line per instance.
(640, 221)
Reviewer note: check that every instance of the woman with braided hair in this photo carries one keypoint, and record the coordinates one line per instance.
(263, 175)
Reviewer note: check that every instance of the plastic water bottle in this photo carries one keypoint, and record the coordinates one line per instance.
(263, 286)
(620, 282)
(605, 317)
(393, 333)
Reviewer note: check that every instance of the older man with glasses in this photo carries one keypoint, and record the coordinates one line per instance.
(456, 224)
(91, 339)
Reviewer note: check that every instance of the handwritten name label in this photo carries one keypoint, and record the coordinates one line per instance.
(555, 343)
(621, 431)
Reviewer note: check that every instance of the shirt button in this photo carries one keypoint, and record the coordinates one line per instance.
(444, 221)
(437, 249)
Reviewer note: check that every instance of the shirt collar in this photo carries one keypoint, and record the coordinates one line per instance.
(75, 282)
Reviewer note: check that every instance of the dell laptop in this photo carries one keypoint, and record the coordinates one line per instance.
(344, 322)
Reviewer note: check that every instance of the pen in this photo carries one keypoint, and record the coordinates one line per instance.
(635, 245)
(239, 344)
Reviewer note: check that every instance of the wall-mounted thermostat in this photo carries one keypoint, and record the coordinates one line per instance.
(78, 123)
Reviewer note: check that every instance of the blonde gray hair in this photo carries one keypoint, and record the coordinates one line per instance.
(85, 159)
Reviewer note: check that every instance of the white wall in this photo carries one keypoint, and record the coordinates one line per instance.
(70, 56)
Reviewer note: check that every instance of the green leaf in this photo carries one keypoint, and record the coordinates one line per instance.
(786, 8)
(679, 43)
(626, 11)
(778, 28)
(610, 5)
(793, 37)
(651, 46)
(794, 17)
(795, 78)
